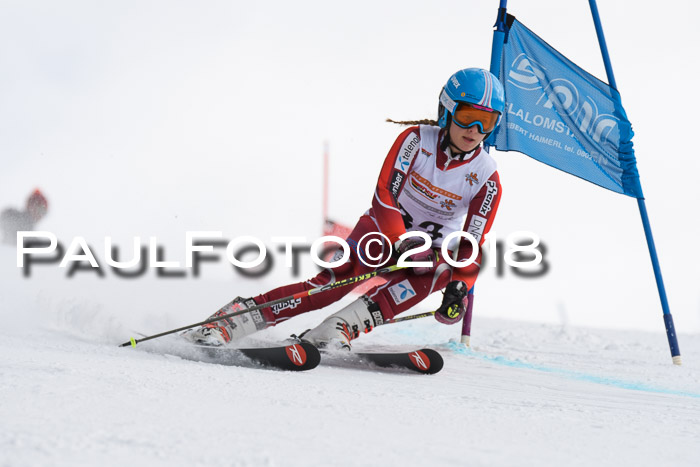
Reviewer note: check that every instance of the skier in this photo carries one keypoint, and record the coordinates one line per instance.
(13, 220)
(436, 179)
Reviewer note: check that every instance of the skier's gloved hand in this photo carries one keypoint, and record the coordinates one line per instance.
(410, 243)
(454, 303)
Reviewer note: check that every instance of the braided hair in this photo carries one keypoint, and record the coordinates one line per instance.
(426, 121)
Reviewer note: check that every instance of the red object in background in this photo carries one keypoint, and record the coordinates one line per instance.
(338, 230)
(37, 205)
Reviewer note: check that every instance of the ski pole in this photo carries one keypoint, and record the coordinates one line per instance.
(334, 285)
(406, 318)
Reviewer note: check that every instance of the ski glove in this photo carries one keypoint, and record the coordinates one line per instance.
(454, 303)
(410, 243)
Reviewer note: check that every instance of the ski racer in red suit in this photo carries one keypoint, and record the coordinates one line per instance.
(436, 179)
(13, 220)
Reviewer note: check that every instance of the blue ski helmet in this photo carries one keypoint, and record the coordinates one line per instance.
(473, 86)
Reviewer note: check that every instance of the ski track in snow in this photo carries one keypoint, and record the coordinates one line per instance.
(524, 394)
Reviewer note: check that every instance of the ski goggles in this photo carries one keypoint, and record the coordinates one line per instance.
(468, 115)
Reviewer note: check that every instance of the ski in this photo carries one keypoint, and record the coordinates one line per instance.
(293, 357)
(424, 361)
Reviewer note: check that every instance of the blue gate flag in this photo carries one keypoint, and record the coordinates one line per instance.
(563, 116)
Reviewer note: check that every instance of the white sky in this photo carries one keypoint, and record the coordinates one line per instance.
(142, 118)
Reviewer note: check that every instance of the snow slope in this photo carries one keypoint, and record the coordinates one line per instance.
(525, 394)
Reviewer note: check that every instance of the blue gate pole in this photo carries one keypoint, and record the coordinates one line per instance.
(496, 48)
(668, 319)
(498, 37)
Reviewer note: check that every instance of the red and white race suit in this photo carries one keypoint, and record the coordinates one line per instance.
(420, 187)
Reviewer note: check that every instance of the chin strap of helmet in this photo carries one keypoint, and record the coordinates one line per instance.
(460, 155)
(445, 143)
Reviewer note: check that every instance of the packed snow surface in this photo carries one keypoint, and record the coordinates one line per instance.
(523, 394)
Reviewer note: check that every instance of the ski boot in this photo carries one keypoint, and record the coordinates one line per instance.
(222, 332)
(336, 331)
